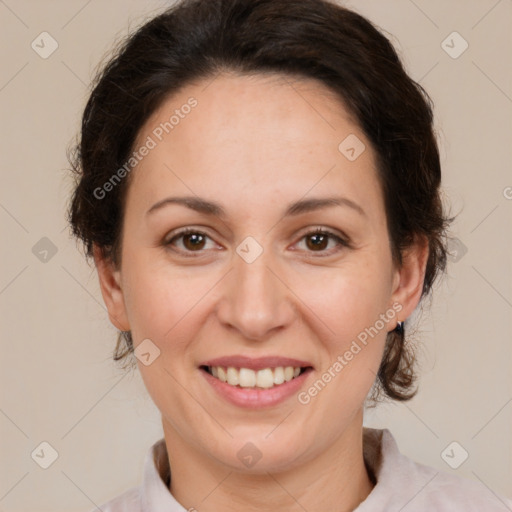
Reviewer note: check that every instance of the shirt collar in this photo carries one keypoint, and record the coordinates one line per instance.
(155, 494)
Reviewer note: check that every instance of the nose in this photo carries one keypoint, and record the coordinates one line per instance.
(256, 300)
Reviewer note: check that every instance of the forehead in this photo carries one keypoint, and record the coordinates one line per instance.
(273, 135)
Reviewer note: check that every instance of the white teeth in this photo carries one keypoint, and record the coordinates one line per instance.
(265, 378)
(221, 374)
(232, 376)
(247, 378)
(279, 375)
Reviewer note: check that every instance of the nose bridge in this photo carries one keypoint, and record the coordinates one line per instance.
(255, 301)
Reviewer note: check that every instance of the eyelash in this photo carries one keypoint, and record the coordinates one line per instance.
(318, 231)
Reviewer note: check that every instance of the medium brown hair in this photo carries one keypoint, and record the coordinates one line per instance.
(197, 39)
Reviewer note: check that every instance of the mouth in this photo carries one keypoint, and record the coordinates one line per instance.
(265, 378)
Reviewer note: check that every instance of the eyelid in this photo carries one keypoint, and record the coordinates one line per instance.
(334, 234)
(182, 232)
(325, 229)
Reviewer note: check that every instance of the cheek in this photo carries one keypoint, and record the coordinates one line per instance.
(350, 309)
(164, 305)
(348, 303)
(347, 300)
(159, 299)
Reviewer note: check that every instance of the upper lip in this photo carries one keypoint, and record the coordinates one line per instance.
(255, 363)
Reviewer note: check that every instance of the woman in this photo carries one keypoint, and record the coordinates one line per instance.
(258, 185)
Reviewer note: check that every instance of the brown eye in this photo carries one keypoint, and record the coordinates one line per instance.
(188, 241)
(318, 241)
(193, 241)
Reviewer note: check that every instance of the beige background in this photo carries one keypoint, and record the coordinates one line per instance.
(57, 382)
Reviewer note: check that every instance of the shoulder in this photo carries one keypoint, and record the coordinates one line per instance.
(411, 486)
(128, 501)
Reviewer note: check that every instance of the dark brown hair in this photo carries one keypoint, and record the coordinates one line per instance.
(195, 40)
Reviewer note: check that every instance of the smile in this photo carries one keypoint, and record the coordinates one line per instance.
(247, 378)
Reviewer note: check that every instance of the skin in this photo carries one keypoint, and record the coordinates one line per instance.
(255, 144)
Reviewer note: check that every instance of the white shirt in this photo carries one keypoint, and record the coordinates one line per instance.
(402, 484)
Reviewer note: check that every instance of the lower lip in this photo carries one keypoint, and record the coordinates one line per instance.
(256, 398)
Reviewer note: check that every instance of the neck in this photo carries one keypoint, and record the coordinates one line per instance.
(336, 479)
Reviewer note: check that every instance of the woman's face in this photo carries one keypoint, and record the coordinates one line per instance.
(256, 281)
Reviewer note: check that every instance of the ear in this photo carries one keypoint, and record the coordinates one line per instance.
(110, 284)
(408, 279)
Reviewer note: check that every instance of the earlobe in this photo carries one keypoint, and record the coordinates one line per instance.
(409, 278)
(111, 289)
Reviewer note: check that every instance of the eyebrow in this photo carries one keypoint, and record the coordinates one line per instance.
(299, 207)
